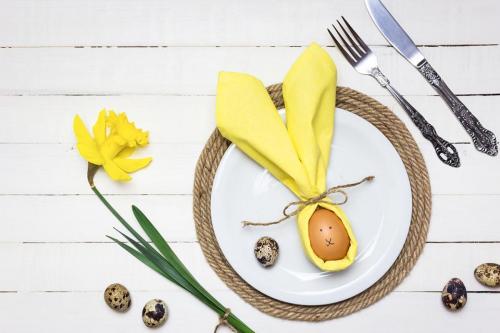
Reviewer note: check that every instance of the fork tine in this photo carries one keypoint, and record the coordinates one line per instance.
(360, 41)
(354, 55)
(353, 43)
(341, 48)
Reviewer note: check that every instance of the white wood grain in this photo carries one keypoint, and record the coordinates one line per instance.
(229, 23)
(38, 168)
(194, 70)
(464, 218)
(190, 119)
(158, 61)
(86, 311)
(88, 267)
(169, 119)
(81, 218)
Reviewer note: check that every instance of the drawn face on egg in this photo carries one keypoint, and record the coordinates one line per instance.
(328, 236)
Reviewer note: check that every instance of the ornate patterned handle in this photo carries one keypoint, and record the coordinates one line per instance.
(483, 139)
(445, 151)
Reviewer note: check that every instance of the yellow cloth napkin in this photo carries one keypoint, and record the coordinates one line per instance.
(296, 153)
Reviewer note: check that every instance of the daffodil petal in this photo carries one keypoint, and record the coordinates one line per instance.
(81, 133)
(112, 118)
(90, 153)
(100, 128)
(85, 144)
(132, 165)
(126, 152)
(115, 172)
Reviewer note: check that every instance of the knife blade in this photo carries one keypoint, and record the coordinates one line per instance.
(483, 139)
(393, 32)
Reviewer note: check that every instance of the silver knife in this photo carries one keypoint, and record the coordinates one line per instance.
(483, 139)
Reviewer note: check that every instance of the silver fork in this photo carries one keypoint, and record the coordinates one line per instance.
(359, 55)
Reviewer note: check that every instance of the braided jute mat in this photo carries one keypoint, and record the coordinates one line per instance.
(386, 122)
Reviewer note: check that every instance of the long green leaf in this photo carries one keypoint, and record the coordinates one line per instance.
(150, 257)
(233, 320)
(168, 269)
(158, 239)
(174, 274)
(140, 257)
(154, 258)
(170, 255)
(122, 220)
(167, 251)
(165, 267)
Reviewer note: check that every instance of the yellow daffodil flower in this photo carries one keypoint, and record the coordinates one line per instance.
(115, 139)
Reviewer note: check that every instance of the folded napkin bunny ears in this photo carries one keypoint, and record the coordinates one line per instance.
(297, 153)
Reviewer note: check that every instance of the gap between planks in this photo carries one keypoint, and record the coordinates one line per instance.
(178, 194)
(227, 46)
(55, 94)
(146, 290)
(196, 242)
(66, 143)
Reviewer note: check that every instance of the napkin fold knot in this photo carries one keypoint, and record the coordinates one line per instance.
(301, 204)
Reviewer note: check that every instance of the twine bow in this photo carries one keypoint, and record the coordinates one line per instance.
(301, 204)
(223, 321)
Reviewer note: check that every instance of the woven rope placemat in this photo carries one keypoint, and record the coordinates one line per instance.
(397, 133)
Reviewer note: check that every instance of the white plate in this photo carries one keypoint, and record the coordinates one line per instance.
(380, 213)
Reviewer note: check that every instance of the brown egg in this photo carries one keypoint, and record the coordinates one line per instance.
(328, 236)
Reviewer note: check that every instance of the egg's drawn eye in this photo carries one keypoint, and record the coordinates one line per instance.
(321, 230)
(329, 227)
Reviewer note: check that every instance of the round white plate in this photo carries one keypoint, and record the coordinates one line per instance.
(380, 213)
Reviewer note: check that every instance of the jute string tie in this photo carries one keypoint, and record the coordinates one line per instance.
(223, 321)
(301, 204)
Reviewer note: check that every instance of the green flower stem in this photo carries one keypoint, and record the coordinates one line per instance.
(108, 205)
(167, 263)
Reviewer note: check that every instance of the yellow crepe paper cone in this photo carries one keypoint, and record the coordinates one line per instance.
(297, 153)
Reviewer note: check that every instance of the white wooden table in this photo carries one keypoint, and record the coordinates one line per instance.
(158, 61)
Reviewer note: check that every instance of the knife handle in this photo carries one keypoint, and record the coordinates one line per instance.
(445, 151)
(484, 140)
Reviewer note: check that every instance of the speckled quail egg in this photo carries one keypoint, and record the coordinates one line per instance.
(454, 295)
(117, 297)
(488, 274)
(154, 313)
(266, 251)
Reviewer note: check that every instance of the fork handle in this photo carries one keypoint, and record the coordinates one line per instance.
(445, 151)
(484, 140)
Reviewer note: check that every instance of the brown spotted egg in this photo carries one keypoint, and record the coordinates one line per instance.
(117, 297)
(454, 295)
(266, 251)
(154, 313)
(488, 274)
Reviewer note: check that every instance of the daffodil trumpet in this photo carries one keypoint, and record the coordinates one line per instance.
(115, 139)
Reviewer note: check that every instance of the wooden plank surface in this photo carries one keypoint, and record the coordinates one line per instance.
(40, 269)
(85, 311)
(234, 23)
(194, 70)
(455, 218)
(158, 61)
(172, 170)
(194, 116)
